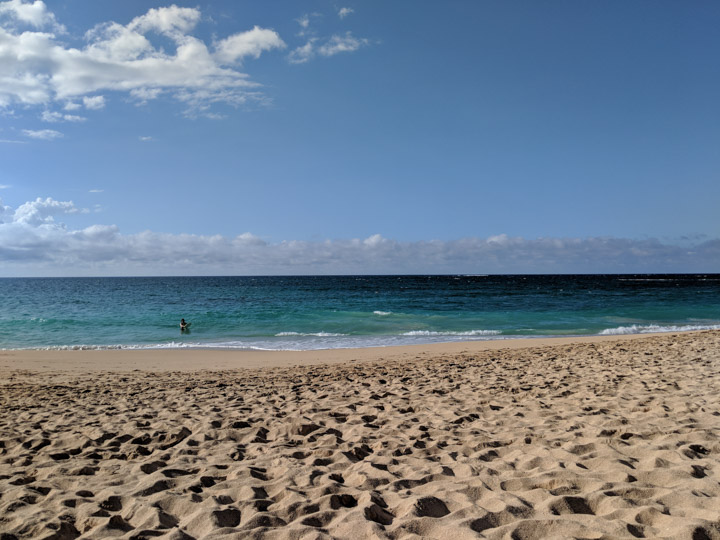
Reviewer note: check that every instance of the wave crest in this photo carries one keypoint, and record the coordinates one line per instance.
(655, 328)
(315, 334)
(451, 333)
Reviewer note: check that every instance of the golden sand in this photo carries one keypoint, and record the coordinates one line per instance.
(581, 438)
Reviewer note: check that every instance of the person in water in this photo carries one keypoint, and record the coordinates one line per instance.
(183, 325)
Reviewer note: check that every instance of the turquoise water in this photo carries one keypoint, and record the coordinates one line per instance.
(291, 313)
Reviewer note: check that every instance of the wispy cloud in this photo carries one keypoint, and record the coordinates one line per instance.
(42, 134)
(39, 69)
(96, 191)
(94, 103)
(52, 117)
(334, 45)
(303, 53)
(145, 138)
(5, 186)
(344, 12)
(306, 24)
(32, 240)
(337, 44)
(304, 21)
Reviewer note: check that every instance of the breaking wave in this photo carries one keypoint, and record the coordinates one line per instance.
(314, 334)
(655, 328)
(468, 333)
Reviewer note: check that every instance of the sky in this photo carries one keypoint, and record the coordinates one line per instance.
(244, 137)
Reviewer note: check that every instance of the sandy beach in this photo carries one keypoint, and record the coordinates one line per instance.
(612, 437)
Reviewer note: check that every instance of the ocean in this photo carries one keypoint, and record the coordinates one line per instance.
(325, 312)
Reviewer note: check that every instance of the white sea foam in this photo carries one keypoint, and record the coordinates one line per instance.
(654, 279)
(78, 348)
(167, 345)
(84, 347)
(655, 328)
(430, 333)
(314, 334)
(382, 313)
(296, 341)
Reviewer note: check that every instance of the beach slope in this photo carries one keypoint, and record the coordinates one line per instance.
(587, 438)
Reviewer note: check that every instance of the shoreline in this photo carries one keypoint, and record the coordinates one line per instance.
(175, 359)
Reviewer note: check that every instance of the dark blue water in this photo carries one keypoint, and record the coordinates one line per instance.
(345, 311)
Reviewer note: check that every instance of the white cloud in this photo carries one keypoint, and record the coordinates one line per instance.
(6, 215)
(34, 14)
(42, 134)
(334, 45)
(304, 53)
(37, 68)
(5, 186)
(42, 211)
(145, 138)
(304, 21)
(94, 103)
(500, 239)
(48, 116)
(172, 21)
(143, 95)
(344, 12)
(251, 43)
(374, 240)
(337, 44)
(32, 242)
(96, 191)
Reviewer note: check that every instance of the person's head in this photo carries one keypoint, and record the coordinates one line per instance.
(182, 320)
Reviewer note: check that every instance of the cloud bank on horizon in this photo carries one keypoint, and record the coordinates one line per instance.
(32, 242)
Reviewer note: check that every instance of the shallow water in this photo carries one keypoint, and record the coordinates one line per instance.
(291, 313)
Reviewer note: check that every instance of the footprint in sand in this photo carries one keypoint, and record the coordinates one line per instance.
(230, 517)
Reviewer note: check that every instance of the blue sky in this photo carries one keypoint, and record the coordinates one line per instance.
(253, 137)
